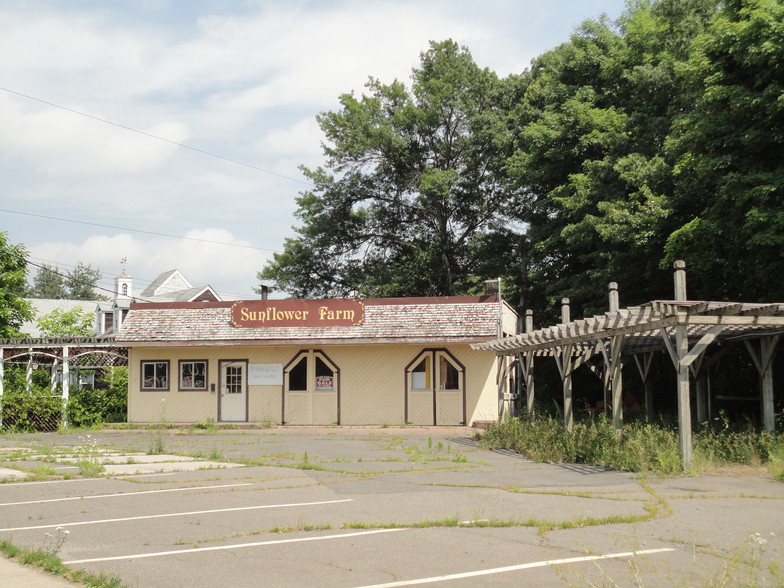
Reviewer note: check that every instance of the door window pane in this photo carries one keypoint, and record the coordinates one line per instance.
(449, 374)
(324, 375)
(298, 376)
(420, 375)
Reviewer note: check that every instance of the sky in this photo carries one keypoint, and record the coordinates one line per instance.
(170, 133)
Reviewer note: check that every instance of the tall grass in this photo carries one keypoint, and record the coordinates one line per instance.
(640, 447)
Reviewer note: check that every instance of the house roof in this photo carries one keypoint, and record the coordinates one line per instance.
(197, 294)
(168, 281)
(44, 306)
(386, 320)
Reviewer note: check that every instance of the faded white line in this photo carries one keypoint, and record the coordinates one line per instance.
(526, 566)
(117, 477)
(124, 494)
(175, 514)
(223, 547)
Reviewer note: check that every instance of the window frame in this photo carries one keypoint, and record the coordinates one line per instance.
(181, 364)
(163, 362)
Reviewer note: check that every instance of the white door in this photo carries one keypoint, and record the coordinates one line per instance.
(233, 391)
(436, 390)
(311, 382)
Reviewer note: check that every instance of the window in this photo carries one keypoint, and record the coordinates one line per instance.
(155, 375)
(420, 375)
(193, 375)
(450, 375)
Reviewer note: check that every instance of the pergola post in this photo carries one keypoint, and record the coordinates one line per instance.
(644, 369)
(566, 370)
(66, 384)
(2, 388)
(527, 361)
(701, 395)
(684, 406)
(768, 347)
(616, 381)
(29, 372)
(682, 368)
(764, 364)
(615, 365)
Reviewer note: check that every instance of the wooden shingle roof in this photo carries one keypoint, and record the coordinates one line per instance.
(386, 320)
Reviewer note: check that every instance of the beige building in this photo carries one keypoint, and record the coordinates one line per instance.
(320, 362)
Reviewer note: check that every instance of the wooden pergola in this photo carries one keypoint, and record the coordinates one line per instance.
(686, 329)
(59, 355)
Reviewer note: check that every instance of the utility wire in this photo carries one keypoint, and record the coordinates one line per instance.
(50, 264)
(146, 134)
(68, 220)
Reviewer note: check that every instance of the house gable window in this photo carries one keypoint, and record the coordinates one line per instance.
(193, 374)
(155, 375)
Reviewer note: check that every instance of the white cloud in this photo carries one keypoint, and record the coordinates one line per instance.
(230, 270)
(62, 143)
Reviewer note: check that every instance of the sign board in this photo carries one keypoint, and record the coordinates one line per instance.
(339, 312)
(265, 374)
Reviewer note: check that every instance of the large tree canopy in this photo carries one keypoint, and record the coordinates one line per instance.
(729, 154)
(656, 137)
(413, 186)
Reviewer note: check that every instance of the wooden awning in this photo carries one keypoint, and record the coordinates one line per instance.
(645, 325)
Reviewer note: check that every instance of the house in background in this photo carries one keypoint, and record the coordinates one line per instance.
(44, 306)
(169, 286)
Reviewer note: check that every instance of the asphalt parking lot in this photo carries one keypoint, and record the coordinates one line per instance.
(354, 507)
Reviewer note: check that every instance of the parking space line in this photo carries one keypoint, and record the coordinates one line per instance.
(238, 546)
(526, 566)
(125, 494)
(118, 477)
(175, 514)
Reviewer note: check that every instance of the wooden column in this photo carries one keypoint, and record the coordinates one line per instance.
(29, 372)
(528, 365)
(66, 384)
(565, 368)
(764, 364)
(684, 406)
(2, 388)
(644, 369)
(616, 381)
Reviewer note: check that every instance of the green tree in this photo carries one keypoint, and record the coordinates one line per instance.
(729, 152)
(14, 310)
(595, 186)
(67, 323)
(413, 186)
(81, 282)
(48, 283)
(77, 284)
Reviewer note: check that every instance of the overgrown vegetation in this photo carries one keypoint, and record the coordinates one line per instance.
(46, 558)
(641, 447)
(39, 406)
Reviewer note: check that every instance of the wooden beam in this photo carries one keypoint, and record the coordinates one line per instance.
(701, 345)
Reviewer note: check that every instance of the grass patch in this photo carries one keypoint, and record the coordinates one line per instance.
(52, 564)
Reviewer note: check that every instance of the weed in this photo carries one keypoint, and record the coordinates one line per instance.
(641, 447)
(157, 445)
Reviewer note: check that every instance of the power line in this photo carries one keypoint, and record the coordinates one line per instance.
(68, 220)
(54, 267)
(146, 134)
